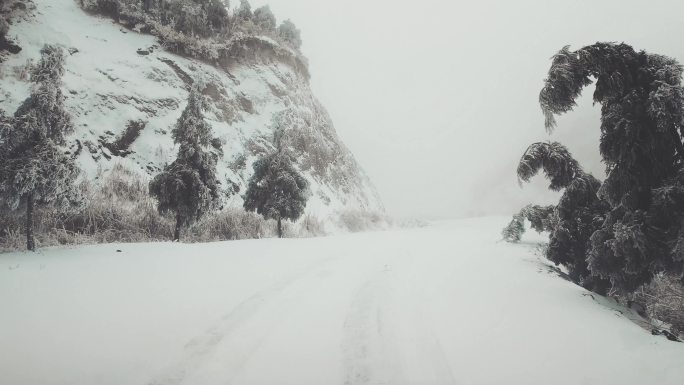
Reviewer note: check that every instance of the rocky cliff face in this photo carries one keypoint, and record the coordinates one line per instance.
(125, 93)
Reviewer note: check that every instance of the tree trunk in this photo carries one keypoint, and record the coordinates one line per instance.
(176, 232)
(280, 228)
(30, 241)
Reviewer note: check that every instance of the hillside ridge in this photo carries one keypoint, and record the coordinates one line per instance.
(125, 92)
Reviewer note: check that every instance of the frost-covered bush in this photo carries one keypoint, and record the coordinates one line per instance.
(514, 230)
(310, 226)
(231, 224)
(663, 298)
(360, 220)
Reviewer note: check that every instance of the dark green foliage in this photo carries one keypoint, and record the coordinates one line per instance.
(553, 159)
(290, 34)
(514, 231)
(195, 18)
(541, 219)
(188, 187)
(276, 190)
(641, 123)
(572, 222)
(34, 169)
(633, 246)
(5, 127)
(6, 8)
(264, 19)
(244, 11)
(579, 214)
(4, 28)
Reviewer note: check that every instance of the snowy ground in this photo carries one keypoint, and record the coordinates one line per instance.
(446, 304)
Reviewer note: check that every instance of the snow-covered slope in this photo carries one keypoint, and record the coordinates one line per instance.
(445, 304)
(118, 78)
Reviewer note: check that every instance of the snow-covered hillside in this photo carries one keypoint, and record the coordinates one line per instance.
(118, 79)
(444, 304)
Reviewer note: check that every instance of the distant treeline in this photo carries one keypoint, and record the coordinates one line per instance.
(204, 29)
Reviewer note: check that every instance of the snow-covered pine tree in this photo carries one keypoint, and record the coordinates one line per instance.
(264, 19)
(578, 214)
(244, 11)
(290, 34)
(188, 187)
(34, 169)
(642, 111)
(6, 44)
(277, 190)
(4, 27)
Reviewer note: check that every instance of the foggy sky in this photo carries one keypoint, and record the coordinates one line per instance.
(438, 99)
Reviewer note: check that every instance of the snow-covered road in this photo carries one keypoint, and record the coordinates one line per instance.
(445, 304)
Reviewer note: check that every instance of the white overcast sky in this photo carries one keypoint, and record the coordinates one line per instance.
(437, 99)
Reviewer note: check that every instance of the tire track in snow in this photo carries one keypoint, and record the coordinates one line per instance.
(432, 350)
(357, 330)
(428, 346)
(202, 347)
(367, 347)
(385, 308)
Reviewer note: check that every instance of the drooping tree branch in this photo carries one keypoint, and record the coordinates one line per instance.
(554, 160)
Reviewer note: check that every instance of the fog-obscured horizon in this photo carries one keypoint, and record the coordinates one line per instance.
(438, 99)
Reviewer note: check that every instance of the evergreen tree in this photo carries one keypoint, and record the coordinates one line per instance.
(264, 19)
(244, 11)
(217, 14)
(579, 213)
(34, 169)
(4, 28)
(289, 32)
(277, 190)
(188, 187)
(641, 127)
